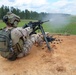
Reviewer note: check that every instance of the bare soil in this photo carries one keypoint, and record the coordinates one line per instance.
(61, 60)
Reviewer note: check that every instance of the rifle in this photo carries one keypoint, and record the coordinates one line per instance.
(36, 26)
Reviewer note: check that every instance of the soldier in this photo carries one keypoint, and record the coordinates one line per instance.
(21, 41)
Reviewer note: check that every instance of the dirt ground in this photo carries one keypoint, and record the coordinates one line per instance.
(61, 60)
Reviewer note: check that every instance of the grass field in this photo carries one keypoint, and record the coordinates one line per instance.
(70, 28)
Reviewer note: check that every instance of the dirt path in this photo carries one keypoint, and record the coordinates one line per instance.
(60, 61)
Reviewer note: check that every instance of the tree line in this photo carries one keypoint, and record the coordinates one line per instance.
(26, 14)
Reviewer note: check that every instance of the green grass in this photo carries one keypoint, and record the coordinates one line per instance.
(2, 24)
(23, 22)
(70, 28)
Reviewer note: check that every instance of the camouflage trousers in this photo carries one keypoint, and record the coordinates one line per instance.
(35, 38)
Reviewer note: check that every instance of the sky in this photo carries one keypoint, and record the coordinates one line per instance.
(49, 6)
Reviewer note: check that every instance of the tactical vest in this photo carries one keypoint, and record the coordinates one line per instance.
(6, 49)
(5, 43)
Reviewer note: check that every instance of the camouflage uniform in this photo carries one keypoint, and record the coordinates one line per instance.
(21, 41)
(28, 40)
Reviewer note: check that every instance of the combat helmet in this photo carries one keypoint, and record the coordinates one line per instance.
(11, 18)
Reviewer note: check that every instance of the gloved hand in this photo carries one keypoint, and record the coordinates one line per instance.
(30, 24)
